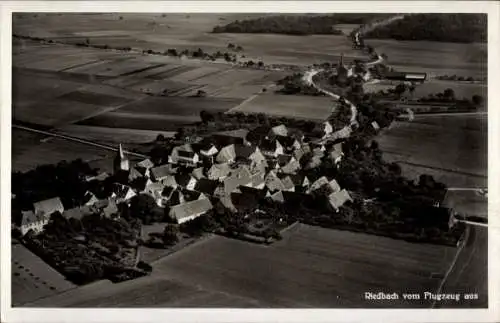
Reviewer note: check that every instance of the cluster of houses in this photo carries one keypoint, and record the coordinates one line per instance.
(219, 170)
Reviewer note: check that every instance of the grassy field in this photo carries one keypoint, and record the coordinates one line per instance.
(161, 113)
(462, 90)
(451, 148)
(30, 150)
(32, 278)
(435, 58)
(310, 267)
(296, 106)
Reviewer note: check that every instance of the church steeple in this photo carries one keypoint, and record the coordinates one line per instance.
(121, 161)
(341, 61)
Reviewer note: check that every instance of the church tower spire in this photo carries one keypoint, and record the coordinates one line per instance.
(121, 162)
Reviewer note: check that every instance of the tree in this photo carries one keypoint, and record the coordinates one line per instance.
(230, 46)
(449, 94)
(206, 116)
(400, 89)
(260, 64)
(201, 94)
(160, 137)
(478, 100)
(170, 234)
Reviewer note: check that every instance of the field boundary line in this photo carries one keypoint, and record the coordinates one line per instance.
(76, 139)
(450, 269)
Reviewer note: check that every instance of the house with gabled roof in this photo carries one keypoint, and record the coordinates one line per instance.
(110, 210)
(144, 167)
(288, 184)
(186, 181)
(271, 148)
(289, 143)
(337, 199)
(122, 193)
(172, 197)
(327, 128)
(238, 177)
(227, 154)
(318, 183)
(228, 137)
(218, 171)
(48, 206)
(300, 180)
(134, 174)
(161, 172)
(335, 156)
(280, 130)
(89, 199)
(100, 177)
(190, 210)
(288, 164)
(273, 182)
(257, 180)
(206, 147)
(198, 173)
(155, 191)
(206, 186)
(190, 195)
(184, 155)
(31, 221)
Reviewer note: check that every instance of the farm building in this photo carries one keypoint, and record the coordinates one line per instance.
(32, 221)
(406, 76)
(337, 199)
(49, 206)
(190, 210)
(162, 172)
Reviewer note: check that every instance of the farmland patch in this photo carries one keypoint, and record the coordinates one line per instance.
(452, 148)
(32, 278)
(296, 106)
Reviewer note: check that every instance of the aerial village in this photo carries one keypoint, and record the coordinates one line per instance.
(247, 183)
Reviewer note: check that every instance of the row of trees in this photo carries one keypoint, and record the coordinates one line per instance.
(461, 78)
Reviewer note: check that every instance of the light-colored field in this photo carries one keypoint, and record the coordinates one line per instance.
(294, 106)
(310, 267)
(453, 148)
(32, 278)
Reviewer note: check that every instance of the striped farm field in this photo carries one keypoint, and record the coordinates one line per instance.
(295, 106)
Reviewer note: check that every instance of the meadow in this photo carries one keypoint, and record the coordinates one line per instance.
(31, 150)
(310, 267)
(294, 106)
(451, 148)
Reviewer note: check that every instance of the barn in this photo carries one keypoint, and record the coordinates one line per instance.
(406, 76)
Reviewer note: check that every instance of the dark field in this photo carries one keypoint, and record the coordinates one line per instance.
(159, 113)
(311, 267)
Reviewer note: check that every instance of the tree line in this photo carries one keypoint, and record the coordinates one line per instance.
(445, 27)
(296, 24)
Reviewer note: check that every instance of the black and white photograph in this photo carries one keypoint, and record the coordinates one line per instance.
(248, 160)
